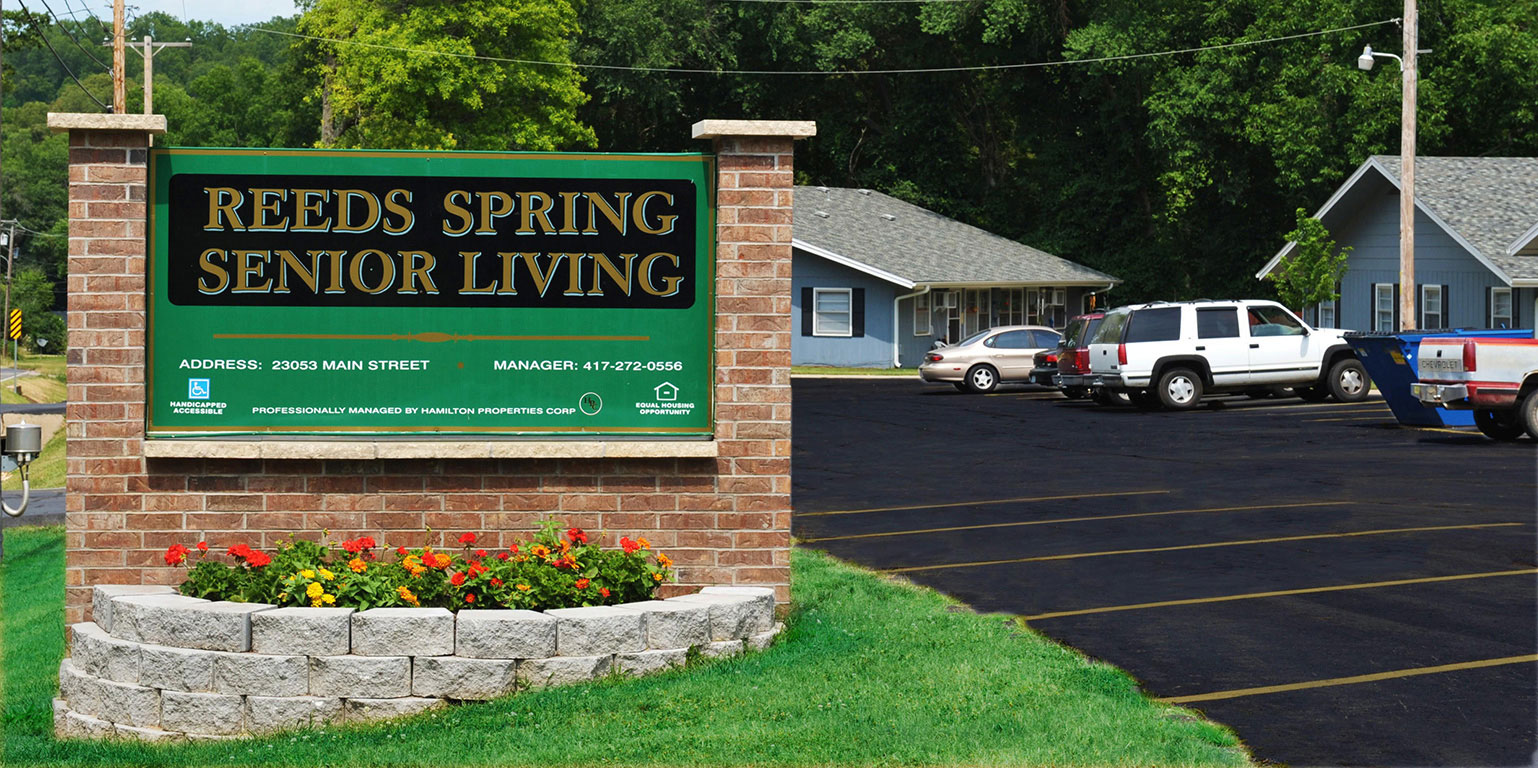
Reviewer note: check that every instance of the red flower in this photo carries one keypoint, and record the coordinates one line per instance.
(481, 553)
(367, 542)
(258, 559)
(582, 583)
(468, 538)
(176, 554)
(515, 549)
(469, 598)
(502, 556)
(564, 562)
(400, 551)
(629, 546)
(476, 569)
(496, 582)
(603, 591)
(577, 536)
(240, 550)
(457, 579)
(202, 546)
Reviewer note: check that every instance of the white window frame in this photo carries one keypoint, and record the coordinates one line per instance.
(923, 316)
(1427, 291)
(1378, 290)
(1319, 311)
(1509, 319)
(817, 294)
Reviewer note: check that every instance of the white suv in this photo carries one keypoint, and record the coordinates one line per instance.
(1170, 353)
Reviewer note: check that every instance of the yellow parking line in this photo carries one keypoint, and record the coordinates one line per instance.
(1352, 680)
(1468, 431)
(1351, 418)
(1297, 407)
(1279, 593)
(1086, 518)
(1309, 537)
(1019, 499)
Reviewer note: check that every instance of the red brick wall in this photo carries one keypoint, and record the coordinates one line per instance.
(723, 521)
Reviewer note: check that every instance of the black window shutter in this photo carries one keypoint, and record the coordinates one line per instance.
(1397, 322)
(1489, 306)
(857, 311)
(806, 311)
(1420, 312)
(1447, 315)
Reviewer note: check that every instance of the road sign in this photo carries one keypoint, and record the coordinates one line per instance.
(15, 324)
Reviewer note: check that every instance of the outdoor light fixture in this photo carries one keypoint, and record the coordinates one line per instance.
(22, 442)
(1368, 57)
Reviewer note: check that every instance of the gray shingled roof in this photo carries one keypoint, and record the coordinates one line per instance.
(922, 246)
(1489, 201)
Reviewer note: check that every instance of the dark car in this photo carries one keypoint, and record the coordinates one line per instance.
(1073, 356)
(1044, 366)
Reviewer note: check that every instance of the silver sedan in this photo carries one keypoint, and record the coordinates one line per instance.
(981, 362)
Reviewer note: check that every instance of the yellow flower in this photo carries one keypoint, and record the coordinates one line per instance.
(315, 603)
(307, 573)
(282, 595)
(523, 587)
(357, 566)
(314, 590)
(656, 577)
(539, 550)
(406, 595)
(328, 599)
(327, 575)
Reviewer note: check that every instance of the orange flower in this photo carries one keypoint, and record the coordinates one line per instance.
(656, 577)
(539, 550)
(441, 561)
(644, 543)
(523, 587)
(582, 583)
(664, 560)
(357, 566)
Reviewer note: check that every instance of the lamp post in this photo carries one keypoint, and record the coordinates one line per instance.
(1408, 75)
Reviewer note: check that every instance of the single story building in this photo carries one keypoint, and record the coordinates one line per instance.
(876, 281)
(1476, 244)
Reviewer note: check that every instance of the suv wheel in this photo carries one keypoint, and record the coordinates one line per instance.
(1180, 389)
(982, 378)
(1348, 381)
(1499, 425)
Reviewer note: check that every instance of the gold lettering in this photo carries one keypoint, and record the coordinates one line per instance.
(595, 202)
(469, 286)
(334, 285)
(414, 273)
(220, 273)
(573, 273)
(287, 262)
(456, 210)
(671, 282)
(260, 222)
(541, 279)
(532, 210)
(218, 208)
(569, 212)
(407, 217)
(666, 221)
(344, 211)
(386, 274)
(490, 213)
(307, 209)
(246, 269)
(603, 265)
(508, 260)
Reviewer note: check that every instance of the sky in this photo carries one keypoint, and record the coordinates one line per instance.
(225, 12)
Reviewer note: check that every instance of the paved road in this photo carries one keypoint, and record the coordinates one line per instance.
(33, 408)
(1404, 634)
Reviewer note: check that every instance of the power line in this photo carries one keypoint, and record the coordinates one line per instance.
(72, 36)
(815, 72)
(56, 56)
(74, 14)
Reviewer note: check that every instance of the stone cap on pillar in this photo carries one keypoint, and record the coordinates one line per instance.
(59, 122)
(793, 129)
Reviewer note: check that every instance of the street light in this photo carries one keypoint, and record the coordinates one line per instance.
(1408, 75)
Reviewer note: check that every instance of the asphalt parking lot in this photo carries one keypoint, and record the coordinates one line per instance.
(1339, 590)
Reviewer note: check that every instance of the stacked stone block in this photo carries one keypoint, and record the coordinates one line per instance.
(166, 666)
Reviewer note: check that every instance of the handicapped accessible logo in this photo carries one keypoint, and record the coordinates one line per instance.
(198, 389)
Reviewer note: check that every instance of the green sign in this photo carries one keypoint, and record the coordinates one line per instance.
(365, 292)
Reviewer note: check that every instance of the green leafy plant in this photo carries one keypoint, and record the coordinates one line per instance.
(1315, 267)
(555, 568)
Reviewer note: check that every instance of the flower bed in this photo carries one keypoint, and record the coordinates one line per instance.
(157, 665)
(551, 570)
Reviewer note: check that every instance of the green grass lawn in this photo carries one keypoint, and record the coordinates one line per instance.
(47, 470)
(47, 365)
(870, 672)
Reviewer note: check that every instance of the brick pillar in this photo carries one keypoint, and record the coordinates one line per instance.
(108, 162)
(755, 163)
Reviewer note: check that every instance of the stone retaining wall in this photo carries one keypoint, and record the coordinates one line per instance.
(156, 665)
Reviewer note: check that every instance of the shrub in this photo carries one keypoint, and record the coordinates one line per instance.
(552, 569)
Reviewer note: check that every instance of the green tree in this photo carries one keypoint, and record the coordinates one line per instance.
(32, 293)
(432, 74)
(1315, 267)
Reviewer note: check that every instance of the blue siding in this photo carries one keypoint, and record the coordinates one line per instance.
(1372, 230)
(874, 349)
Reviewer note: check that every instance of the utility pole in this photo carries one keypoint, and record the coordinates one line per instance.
(1408, 293)
(10, 258)
(119, 62)
(150, 49)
